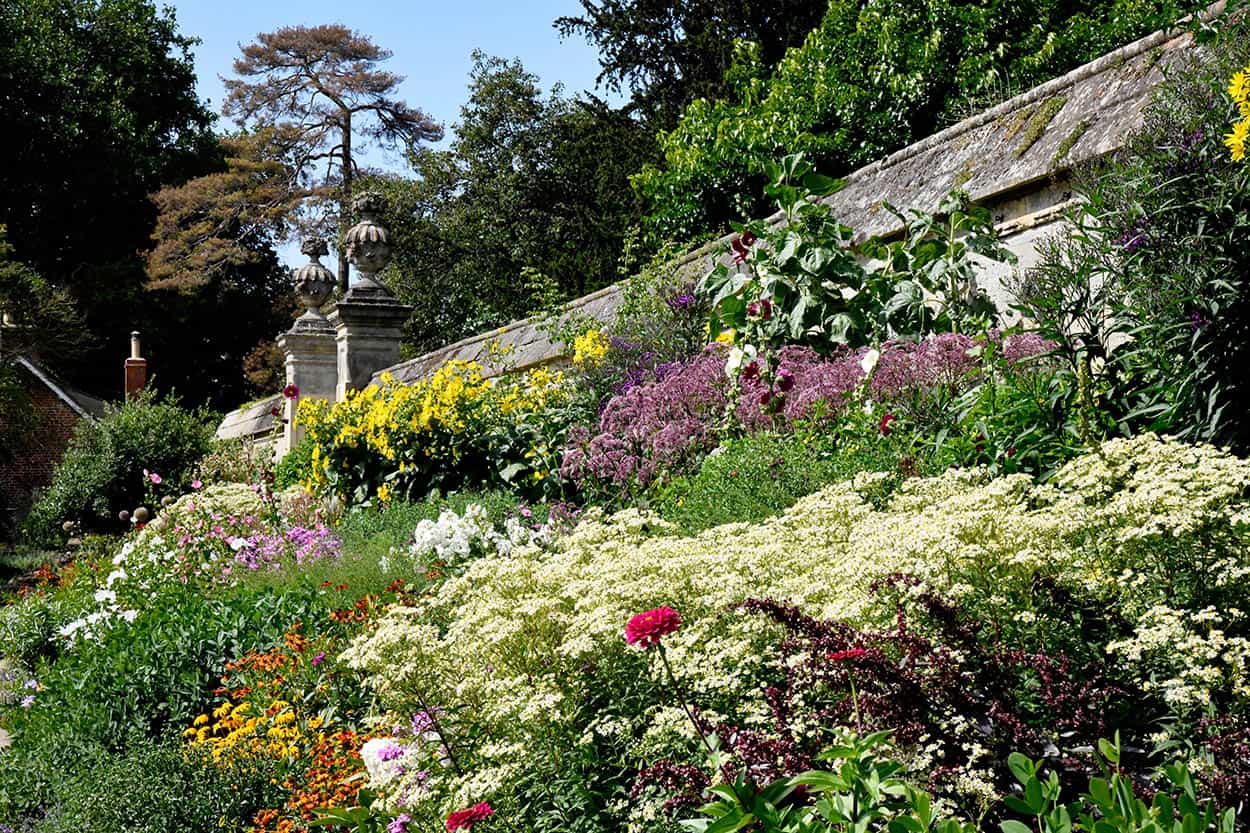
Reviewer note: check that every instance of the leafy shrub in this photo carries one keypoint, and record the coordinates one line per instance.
(160, 788)
(1148, 297)
(102, 471)
(453, 430)
(233, 461)
(809, 283)
(870, 79)
(751, 478)
(296, 467)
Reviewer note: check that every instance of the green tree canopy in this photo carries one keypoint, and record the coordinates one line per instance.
(669, 53)
(872, 78)
(533, 185)
(98, 103)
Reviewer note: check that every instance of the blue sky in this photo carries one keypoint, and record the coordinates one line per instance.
(431, 41)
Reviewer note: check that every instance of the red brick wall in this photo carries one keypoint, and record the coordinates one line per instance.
(33, 466)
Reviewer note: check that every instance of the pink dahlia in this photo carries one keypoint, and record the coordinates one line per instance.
(648, 628)
(469, 816)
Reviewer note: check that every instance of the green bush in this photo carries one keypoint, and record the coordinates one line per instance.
(160, 789)
(873, 78)
(762, 475)
(102, 470)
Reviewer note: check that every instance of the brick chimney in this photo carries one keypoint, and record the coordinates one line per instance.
(136, 368)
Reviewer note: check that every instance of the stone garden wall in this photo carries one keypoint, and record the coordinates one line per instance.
(1015, 159)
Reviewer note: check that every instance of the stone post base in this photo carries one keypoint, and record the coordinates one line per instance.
(311, 366)
(368, 327)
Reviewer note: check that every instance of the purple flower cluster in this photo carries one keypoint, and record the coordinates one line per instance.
(664, 425)
(303, 545)
(652, 425)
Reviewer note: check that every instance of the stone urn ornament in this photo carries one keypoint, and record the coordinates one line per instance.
(313, 281)
(368, 244)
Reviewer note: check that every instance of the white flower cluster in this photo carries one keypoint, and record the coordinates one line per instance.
(454, 538)
(108, 612)
(528, 636)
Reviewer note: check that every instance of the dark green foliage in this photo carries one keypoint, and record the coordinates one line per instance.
(161, 789)
(872, 78)
(99, 111)
(532, 185)
(669, 53)
(762, 475)
(102, 470)
(1148, 296)
(1030, 417)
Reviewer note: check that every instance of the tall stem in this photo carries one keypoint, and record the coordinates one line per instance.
(682, 699)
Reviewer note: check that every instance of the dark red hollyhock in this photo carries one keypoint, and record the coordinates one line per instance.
(291, 392)
(751, 371)
(785, 380)
(748, 238)
(884, 425)
(649, 627)
(740, 251)
(466, 818)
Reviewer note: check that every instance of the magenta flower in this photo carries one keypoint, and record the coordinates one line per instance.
(390, 752)
(466, 818)
(399, 824)
(291, 392)
(320, 658)
(195, 484)
(155, 478)
(649, 627)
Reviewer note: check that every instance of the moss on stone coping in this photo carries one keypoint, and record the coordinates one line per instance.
(1069, 141)
(1042, 116)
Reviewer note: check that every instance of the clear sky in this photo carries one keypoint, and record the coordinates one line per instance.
(431, 40)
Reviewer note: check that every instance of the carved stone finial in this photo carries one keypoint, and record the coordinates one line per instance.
(314, 247)
(367, 243)
(313, 282)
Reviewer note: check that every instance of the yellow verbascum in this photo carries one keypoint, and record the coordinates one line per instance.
(590, 348)
(394, 439)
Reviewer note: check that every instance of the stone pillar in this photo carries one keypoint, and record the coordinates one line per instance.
(311, 361)
(368, 321)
